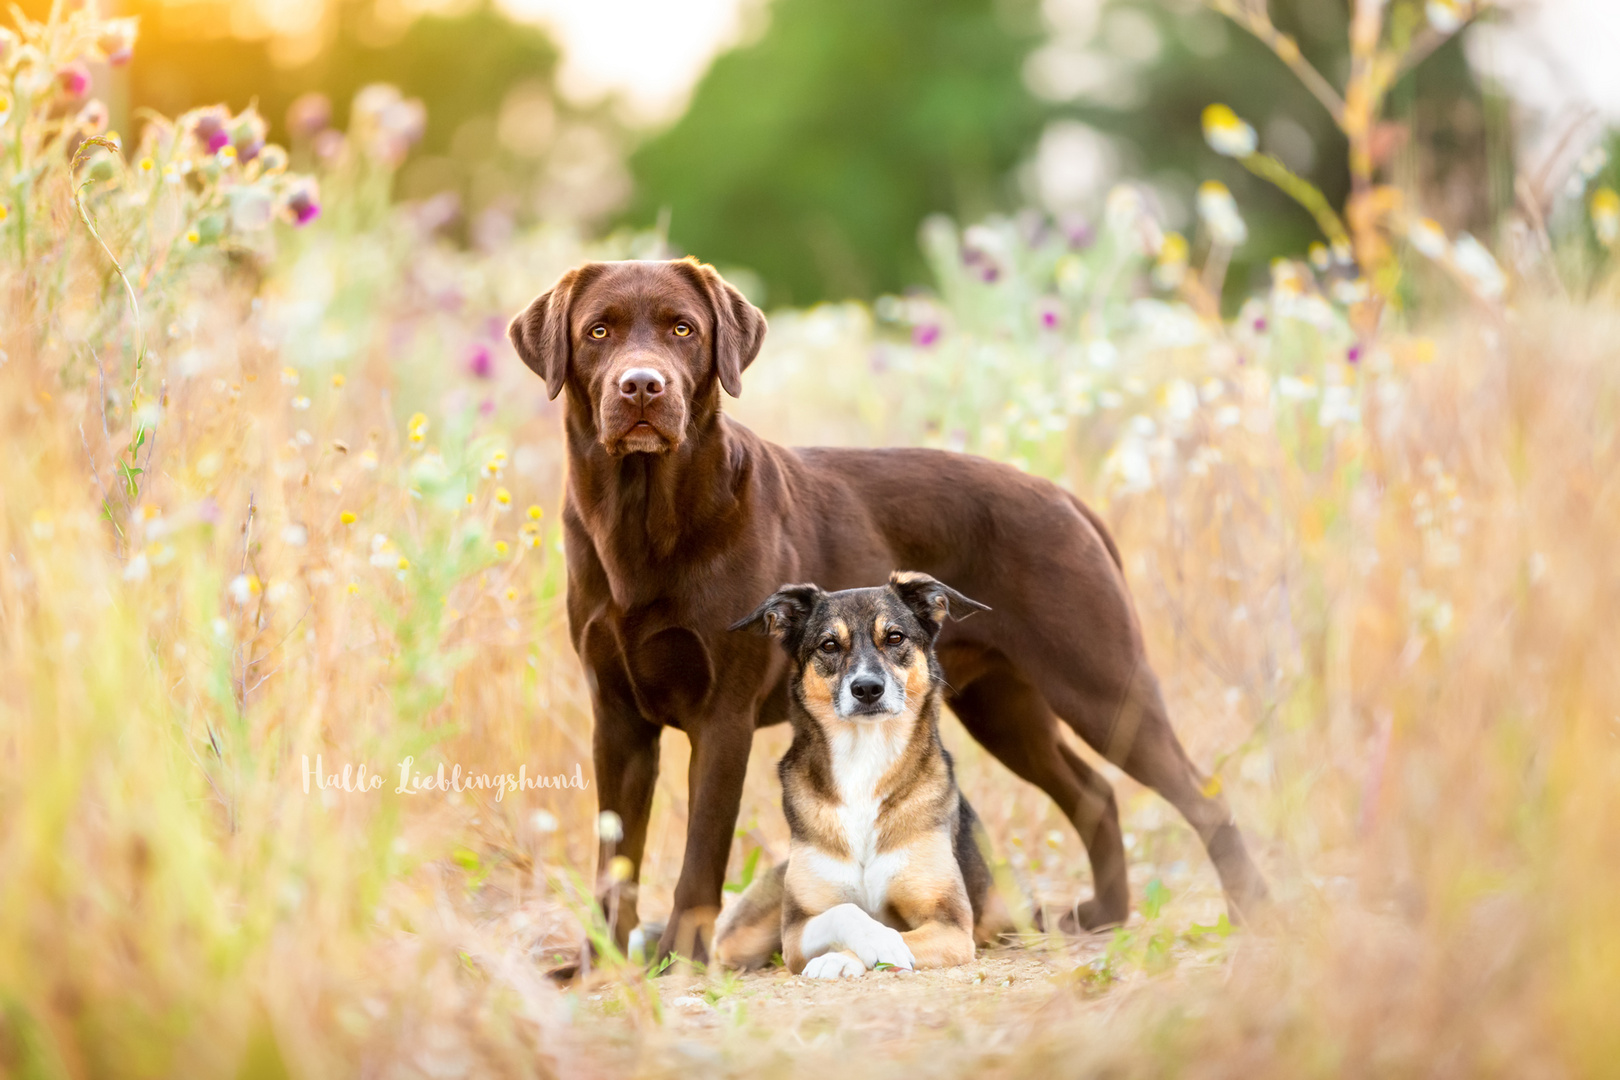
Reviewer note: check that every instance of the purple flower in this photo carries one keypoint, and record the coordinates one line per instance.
(73, 80)
(117, 41)
(1260, 325)
(1076, 230)
(209, 127)
(486, 407)
(1354, 355)
(925, 335)
(309, 115)
(1049, 319)
(479, 361)
(247, 135)
(302, 203)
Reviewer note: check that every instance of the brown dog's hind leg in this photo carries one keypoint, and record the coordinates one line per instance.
(1132, 729)
(1010, 719)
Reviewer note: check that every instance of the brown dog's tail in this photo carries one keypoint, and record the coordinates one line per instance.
(748, 934)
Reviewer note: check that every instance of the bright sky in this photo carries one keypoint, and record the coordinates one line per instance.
(651, 51)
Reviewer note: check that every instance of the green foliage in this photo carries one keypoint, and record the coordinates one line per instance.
(811, 155)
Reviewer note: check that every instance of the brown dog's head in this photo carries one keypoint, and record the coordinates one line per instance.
(861, 653)
(644, 344)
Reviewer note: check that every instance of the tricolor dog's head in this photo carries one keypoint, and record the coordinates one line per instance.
(643, 345)
(861, 653)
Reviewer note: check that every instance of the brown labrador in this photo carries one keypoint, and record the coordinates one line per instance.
(678, 521)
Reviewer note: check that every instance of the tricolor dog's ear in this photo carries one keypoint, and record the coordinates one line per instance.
(783, 614)
(739, 327)
(541, 333)
(931, 600)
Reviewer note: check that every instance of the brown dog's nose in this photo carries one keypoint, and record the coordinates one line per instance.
(641, 385)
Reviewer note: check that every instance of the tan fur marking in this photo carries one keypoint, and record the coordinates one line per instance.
(818, 696)
(840, 630)
(938, 944)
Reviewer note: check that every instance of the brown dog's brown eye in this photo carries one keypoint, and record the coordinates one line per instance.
(682, 330)
(895, 637)
(598, 332)
(829, 646)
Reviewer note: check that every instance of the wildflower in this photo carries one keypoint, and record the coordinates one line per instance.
(5, 212)
(337, 381)
(511, 594)
(5, 109)
(469, 498)
(1320, 257)
(193, 237)
(535, 513)
(295, 535)
(302, 201)
(354, 588)
(404, 563)
(247, 134)
(208, 127)
(417, 428)
(1220, 213)
(1428, 237)
(386, 124)
(620, 869)
(1477, 264)
(244, 587)
(226, 155)
(348, 517)
(924, 335)
(73, 80)
(503, 498)
(92, 120)
(116, 42)
(501, 548)
(610, 827)
(309, 115)
(1446, 16)
(300, 402)
(544, 821)
(1227, 133)
(495, 464)
(147, 165)
(1286, 280)
(272, 160)
(1605, 207)
(289, 376)
(1171, 266)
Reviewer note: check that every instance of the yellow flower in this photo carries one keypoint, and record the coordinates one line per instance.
(1605, 206)
(147, 164)
(502, 547)
(404, 563)
(1429, 238)
(418, 426)
(337, 381)
(1227, 133)
(193, 237)
(535, 513)
(504, 498)
(347, 517)
(5, 212)
(354, 588)
(1320, 257)
(469, 498)
(1220, 213)
(511, 594)
(1171, 266)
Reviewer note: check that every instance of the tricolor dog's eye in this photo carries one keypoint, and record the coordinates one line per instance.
(830, 645)
(599, 332)
(894, 637)
(682, 329)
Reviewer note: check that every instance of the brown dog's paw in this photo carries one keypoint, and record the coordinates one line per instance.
(1086, 917)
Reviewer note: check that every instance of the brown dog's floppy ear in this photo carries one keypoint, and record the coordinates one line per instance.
(541, 335)
(782, 615)
(739, 327)
(931, 600)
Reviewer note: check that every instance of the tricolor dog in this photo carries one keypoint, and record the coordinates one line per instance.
(884, 866)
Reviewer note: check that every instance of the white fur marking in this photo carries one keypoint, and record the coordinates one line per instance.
(833, 965)
(848, 927)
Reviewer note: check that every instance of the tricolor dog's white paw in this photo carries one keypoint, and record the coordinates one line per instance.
(848, 927)
(834, 965)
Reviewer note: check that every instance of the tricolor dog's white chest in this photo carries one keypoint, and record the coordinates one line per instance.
(862, 754)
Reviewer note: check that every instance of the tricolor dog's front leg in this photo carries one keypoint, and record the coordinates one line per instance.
(931, 898)
(826, 937)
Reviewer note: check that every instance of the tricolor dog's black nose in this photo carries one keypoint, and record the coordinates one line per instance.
(866, 688)
(641, 385)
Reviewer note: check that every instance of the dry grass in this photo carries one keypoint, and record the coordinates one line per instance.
(1390, 633)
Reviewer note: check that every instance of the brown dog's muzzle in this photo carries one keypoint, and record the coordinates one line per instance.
(642, 408)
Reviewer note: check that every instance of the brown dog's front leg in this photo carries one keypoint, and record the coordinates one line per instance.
(625, 750)
(714, 793)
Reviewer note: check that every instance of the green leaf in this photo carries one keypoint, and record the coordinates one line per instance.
(749, 868)
(1154, 899)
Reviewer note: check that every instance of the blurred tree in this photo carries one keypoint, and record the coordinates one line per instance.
(811, 155)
